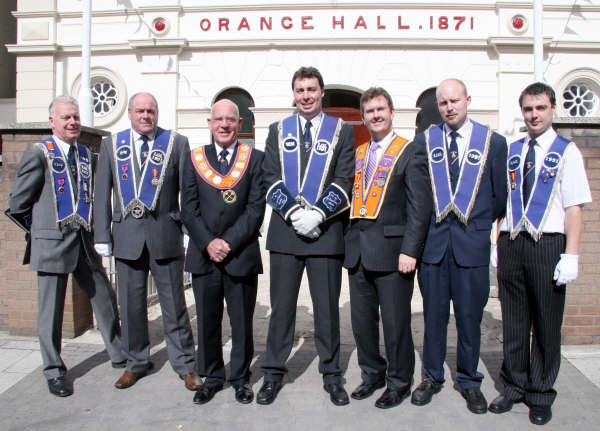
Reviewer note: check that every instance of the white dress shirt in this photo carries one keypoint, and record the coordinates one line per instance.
(315, 123)
(230, 151)
(137, 141)
(462, 139)
(383, 143)
(572, 188)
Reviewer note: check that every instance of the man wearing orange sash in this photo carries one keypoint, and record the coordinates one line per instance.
(222, 206)
(390, 211)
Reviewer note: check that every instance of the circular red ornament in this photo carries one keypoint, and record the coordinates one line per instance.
(518, 22)
(159, 25)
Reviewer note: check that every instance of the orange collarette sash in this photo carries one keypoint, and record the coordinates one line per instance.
(367, 198)
(212, 177)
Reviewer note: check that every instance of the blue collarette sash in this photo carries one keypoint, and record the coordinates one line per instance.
(318, 163)
(67, 210)
(532, 218)
(461, 203)
(134, 193)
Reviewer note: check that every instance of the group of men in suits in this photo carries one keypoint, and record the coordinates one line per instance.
(428, 205)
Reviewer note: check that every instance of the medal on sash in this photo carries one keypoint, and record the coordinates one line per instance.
(369, 193)
(226, 182)
(532, 216)
(463, 200)
(70, 208)
(139, 195)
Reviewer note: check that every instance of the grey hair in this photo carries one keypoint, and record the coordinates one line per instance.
(130, 103)
(61, 99)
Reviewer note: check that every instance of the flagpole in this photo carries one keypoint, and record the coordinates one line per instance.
(85, 93)
(538, 41)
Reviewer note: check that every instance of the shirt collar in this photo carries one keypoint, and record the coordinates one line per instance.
(383, 143)
(137, 135)
(64, 147)
(315, 121)
(230, 148)
(463, 132)
(544, 140)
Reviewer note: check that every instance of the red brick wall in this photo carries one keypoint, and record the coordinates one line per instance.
(582, 310)
(18, 284)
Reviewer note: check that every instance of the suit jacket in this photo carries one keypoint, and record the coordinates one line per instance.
(54, 248)
(160, 229)
(471, 242)
(207, 216)
(403, 219)
(281, 237)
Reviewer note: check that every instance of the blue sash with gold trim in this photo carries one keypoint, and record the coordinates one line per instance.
(463, 200)
(533, 216)
(67, 210)
(318, 163)
(134, 199)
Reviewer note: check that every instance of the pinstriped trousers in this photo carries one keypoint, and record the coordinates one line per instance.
(532, 313)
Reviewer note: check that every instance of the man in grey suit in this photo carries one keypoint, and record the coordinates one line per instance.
(140, 168)
(53, 186)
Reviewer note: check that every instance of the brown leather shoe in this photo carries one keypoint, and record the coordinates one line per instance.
(193, 382)
(128, 379)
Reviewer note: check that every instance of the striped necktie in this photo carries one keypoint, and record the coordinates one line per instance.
(372, 162)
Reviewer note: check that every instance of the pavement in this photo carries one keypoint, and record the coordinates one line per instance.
(159, 401)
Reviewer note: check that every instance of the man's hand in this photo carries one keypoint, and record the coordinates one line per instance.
(566, 268)
(305, 221)
(218, 250)
(406, 263)
(104, 249)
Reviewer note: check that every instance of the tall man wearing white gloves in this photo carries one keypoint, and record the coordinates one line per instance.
(308, 166)
(537, 254)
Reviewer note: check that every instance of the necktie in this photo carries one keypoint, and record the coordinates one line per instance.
(307, 137)
(453, 163)
(372, 162)
(223, 165)
(529, 173)
(144, 150)
(72, 162)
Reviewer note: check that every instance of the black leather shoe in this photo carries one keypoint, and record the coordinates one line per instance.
(337, 393)
(501, 404)
(268, 392)
(365, 390)
(391, 398)
(244, 394)
(121, 364)
(476, 402)
(59, 387)
(540, 415)
(206, 393)
(425, 391)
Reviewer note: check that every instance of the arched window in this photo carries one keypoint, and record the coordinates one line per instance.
(345, 104)
(429, 113)
(244, 102)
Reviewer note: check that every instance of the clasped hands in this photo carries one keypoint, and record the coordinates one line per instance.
(218, 249)
(306, 222)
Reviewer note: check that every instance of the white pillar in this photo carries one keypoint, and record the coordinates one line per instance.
(85, 93)
(538, 40)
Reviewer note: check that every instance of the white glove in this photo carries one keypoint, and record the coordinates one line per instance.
(494, 256)
(313, 234)
(566, 269)
(305, 221)
(103, 249)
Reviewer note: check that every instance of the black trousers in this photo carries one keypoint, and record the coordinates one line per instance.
(390, 292)
(324, 281)
(532, 313)
(240, 296)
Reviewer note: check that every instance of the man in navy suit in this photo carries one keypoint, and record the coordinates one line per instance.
(467, 165)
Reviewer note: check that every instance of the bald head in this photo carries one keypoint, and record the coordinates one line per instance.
(224, 122)
(452, 101)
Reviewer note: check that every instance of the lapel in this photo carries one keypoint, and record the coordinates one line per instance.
(211, 155)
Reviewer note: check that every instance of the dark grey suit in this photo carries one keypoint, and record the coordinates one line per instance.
(152, 243)
(57, 251)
